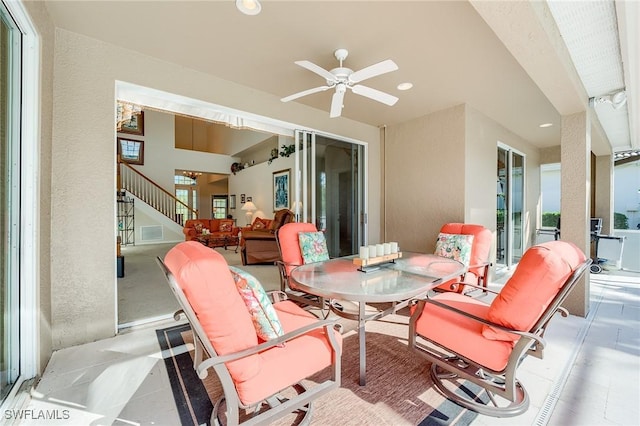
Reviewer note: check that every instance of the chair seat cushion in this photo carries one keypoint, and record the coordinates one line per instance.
(297, 359)
(460, 334)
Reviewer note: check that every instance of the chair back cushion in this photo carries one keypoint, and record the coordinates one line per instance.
(205, 279)
(290, 245)
(539, 276)
(481, 247)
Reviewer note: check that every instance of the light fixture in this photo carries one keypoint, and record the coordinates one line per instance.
(249, 7)
(192, 175)
(545, 125)
(405, 86)
(616, 99)
(249, 207)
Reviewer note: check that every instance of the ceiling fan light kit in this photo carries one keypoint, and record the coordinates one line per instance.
(342, 79)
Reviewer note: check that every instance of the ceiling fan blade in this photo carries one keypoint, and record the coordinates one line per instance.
(316, 69)
(336, 104)
(305, 93)
(374, 94)
(373, 70)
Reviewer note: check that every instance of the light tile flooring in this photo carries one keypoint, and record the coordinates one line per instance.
(590, 374)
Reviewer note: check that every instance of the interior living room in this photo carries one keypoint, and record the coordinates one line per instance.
(381, 122)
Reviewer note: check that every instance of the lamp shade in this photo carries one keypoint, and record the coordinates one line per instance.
(249, 206)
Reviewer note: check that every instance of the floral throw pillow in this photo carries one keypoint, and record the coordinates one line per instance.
(455, 246)
(198, 227)
(226, 225)
(264, 317)
(313, 247)
(260, 224)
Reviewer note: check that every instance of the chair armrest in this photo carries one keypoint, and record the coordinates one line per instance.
(221, 359)
(538, 339)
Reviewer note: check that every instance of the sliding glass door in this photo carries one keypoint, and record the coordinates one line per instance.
(329, 190)
(10, 47)
(509, 206)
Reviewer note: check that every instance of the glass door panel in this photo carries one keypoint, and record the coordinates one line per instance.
(328, 183)
(509, 207)
(10, 48)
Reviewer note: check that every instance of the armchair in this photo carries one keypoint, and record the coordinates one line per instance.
(258, 241)
(477, 274)
(252, 371)
(291, 256)
(467, 339)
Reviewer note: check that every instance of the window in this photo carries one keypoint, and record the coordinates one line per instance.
(187, 195)
(219, 206)
(10, 59)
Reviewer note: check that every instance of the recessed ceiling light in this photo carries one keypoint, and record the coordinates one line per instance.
(543, 125)
(405, 86)
(249, 7)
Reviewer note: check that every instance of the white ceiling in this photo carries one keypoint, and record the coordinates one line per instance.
(444, 48)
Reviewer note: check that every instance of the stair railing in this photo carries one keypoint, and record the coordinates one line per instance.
(153, 194)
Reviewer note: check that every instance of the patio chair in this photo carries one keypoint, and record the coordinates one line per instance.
(289, 245)
(476, 259)
(254, 371)
(466, 339)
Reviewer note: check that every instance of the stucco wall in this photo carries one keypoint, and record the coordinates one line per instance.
(425, 177)
(482, 137)
(83, 271)
(442, 168)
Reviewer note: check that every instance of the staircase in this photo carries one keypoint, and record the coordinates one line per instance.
(145, 189)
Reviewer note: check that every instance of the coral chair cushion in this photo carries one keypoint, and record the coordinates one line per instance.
(463, 335)
(298, 359)
(455, 246)
(263, 315)
(313, 247)
(290, 244)
(540, 274)
(481, 247)
(207, 283)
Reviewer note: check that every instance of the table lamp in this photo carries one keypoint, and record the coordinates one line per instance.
(249, 207)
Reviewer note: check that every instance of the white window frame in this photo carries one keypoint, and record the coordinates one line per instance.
(29, 196)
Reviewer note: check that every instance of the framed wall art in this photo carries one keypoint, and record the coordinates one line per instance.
(281, 189)
(130, 119)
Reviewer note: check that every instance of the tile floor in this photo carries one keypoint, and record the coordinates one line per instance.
(590, 374)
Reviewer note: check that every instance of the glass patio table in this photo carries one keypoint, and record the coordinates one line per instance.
(398, 282)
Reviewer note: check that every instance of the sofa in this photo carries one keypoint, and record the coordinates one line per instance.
(258, 242)
(212, 232)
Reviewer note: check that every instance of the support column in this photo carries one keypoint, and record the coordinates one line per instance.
(604, 192)
(575, 155)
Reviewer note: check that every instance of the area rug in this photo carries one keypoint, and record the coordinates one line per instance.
(399, 390)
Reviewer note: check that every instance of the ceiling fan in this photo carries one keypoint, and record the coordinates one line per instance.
(343, 78)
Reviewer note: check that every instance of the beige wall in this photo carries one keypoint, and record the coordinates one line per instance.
(425, 177)
(83, 277)
(442, 168)
(483, 135)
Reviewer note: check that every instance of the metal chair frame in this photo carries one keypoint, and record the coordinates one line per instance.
(449, 368)
(278, 406)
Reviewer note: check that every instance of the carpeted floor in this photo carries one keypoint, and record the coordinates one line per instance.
(143, 293)
(399, 390)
